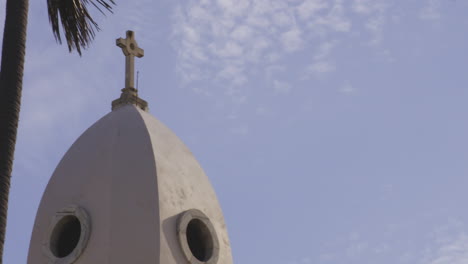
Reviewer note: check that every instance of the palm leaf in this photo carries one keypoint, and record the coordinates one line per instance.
(77, 23)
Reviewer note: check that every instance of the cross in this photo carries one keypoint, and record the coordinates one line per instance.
(130, 49)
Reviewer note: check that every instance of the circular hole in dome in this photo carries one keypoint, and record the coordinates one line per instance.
(199, 240)
(65, 236)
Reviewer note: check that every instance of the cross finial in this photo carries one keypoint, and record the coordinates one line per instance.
(129, 94)
(130, 49)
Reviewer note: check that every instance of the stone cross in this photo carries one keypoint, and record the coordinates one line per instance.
(130, 49)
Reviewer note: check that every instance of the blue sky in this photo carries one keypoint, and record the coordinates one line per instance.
(334, 131)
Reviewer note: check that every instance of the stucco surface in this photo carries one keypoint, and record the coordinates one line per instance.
(182, 185)
(134, 177)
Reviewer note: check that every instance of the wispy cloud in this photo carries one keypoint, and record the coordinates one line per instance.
(261, 110)
(318, 69)
(304, 260)
(324, 50)
(231, 41)
(309, 8)
(367, 7)
(431, 11)
(240, 130)
(347, 88)
(281, 87)
(375, 13)
(292, 40)
(321, 63)
(452, 252)
(234, 42)
(335, 20)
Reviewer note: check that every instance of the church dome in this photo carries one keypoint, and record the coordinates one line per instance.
(129, 191)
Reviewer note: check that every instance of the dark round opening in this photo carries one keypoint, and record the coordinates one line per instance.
(65, 236)
(199, 240)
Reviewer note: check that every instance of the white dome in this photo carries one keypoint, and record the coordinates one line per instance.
(119, 196)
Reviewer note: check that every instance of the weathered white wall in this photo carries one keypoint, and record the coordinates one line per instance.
(182, 185)
(134, 177)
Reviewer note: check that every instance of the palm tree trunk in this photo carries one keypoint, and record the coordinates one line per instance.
(11, 82)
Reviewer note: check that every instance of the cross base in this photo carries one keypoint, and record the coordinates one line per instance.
(130, 96)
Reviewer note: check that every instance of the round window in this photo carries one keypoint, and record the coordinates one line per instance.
(199, 240)
(67, 236)
(197, 237)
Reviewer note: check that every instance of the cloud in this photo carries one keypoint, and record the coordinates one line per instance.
(448, 244)
(242, 33)
(318, 69)
(272, 70)
(50, 99)
(292, 40)
(375, 26)
(304, 260)
(226, 40)
(324, 50)
(230, 42)
(357, 249)
(139, 16)
(233, 73)
(363, 6)
(309, 8)
(241, 130)
(227, 50)
(375, 13)
(261, 111)
(453, 252)
(431, 11)
(281, 87)
(336, 19)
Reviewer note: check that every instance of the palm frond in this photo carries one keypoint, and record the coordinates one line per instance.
(78, 25)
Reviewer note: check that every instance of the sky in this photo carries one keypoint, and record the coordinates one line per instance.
(333, 131)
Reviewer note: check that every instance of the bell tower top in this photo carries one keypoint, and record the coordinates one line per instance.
(129, 191)
(129, 94)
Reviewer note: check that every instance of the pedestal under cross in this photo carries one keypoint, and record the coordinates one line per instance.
(130, 49)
